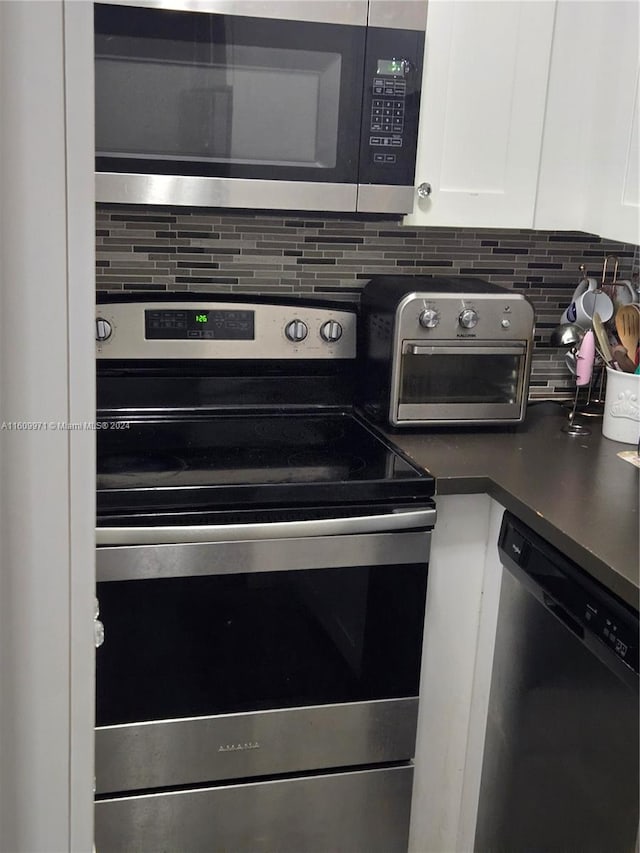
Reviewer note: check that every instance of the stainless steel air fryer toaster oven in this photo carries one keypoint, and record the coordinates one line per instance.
(444, 351)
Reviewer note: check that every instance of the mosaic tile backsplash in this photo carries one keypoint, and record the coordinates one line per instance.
(143, 249)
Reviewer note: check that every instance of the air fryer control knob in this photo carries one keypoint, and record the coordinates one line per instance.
(296, 331)
(468, 318)
(331, 331)
(429, 318)
(103, 329)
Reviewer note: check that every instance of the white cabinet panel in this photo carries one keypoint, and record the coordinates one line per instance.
(613, 211)
(566, 178)
(631, 194)
(47, 486)
(463, 592)
(484, 89)
(452, 621)
(589, 169)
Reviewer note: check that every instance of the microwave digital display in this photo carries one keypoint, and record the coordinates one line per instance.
(390, 66)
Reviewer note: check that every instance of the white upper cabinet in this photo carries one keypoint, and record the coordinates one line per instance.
(589, 178)
(482, 112)
(615, 211)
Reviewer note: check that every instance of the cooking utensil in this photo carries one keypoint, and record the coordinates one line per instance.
(604, 350)
(628, 328)
(566, 335)
(585, 359)
(622, 359)
(570, 361)
(602, 339)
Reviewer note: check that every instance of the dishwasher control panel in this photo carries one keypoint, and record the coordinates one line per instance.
(575, 598)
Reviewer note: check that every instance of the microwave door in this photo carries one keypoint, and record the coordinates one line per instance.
(225, 110)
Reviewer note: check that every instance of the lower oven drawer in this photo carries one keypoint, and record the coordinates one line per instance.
(168, 753)
(358, 812)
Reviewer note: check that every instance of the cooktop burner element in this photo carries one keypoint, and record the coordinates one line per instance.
(216, 459)
(132, 465)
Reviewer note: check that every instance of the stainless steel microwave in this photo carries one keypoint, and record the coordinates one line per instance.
(262, 104)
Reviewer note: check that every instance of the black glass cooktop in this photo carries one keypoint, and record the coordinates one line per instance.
(250, 460)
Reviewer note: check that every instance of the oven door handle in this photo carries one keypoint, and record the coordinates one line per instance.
(464, 349)
(423, 518)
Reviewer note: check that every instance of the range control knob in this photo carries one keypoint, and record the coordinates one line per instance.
(429, 318)
(331, 331)
(103, 329)
(468, 318)
(296, 331)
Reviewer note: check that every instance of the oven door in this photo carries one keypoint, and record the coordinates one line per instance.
(460, 382)
(256, 657)
(210, 109)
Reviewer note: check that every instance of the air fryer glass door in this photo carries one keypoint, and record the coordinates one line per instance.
(192, 93)
(456, 381)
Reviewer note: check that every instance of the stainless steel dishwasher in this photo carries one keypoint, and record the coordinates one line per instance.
(560, 767)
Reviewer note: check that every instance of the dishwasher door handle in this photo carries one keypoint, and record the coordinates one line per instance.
(563, 615)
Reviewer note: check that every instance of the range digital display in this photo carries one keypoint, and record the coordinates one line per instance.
(199, 324)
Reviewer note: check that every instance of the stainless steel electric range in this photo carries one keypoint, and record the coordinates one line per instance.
(262, 567)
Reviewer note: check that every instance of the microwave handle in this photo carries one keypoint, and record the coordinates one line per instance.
(493, 349)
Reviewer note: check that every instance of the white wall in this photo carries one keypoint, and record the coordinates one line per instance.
(47, 481)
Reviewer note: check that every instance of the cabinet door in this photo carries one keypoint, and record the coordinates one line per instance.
(566, 178)
(613, 210)
(483, 99)
(589, 177)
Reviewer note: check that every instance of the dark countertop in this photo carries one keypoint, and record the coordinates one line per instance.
(574, 491)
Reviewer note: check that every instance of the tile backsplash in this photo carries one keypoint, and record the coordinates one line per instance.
(143, 249)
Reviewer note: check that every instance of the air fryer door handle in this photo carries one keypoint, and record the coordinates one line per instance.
(495, 348)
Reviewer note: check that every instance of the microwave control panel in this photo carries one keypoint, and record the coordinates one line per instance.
(388, 109)
(393, 76)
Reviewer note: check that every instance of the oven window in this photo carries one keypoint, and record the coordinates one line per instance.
(463, 378)
(225, 94)
(197, 646)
